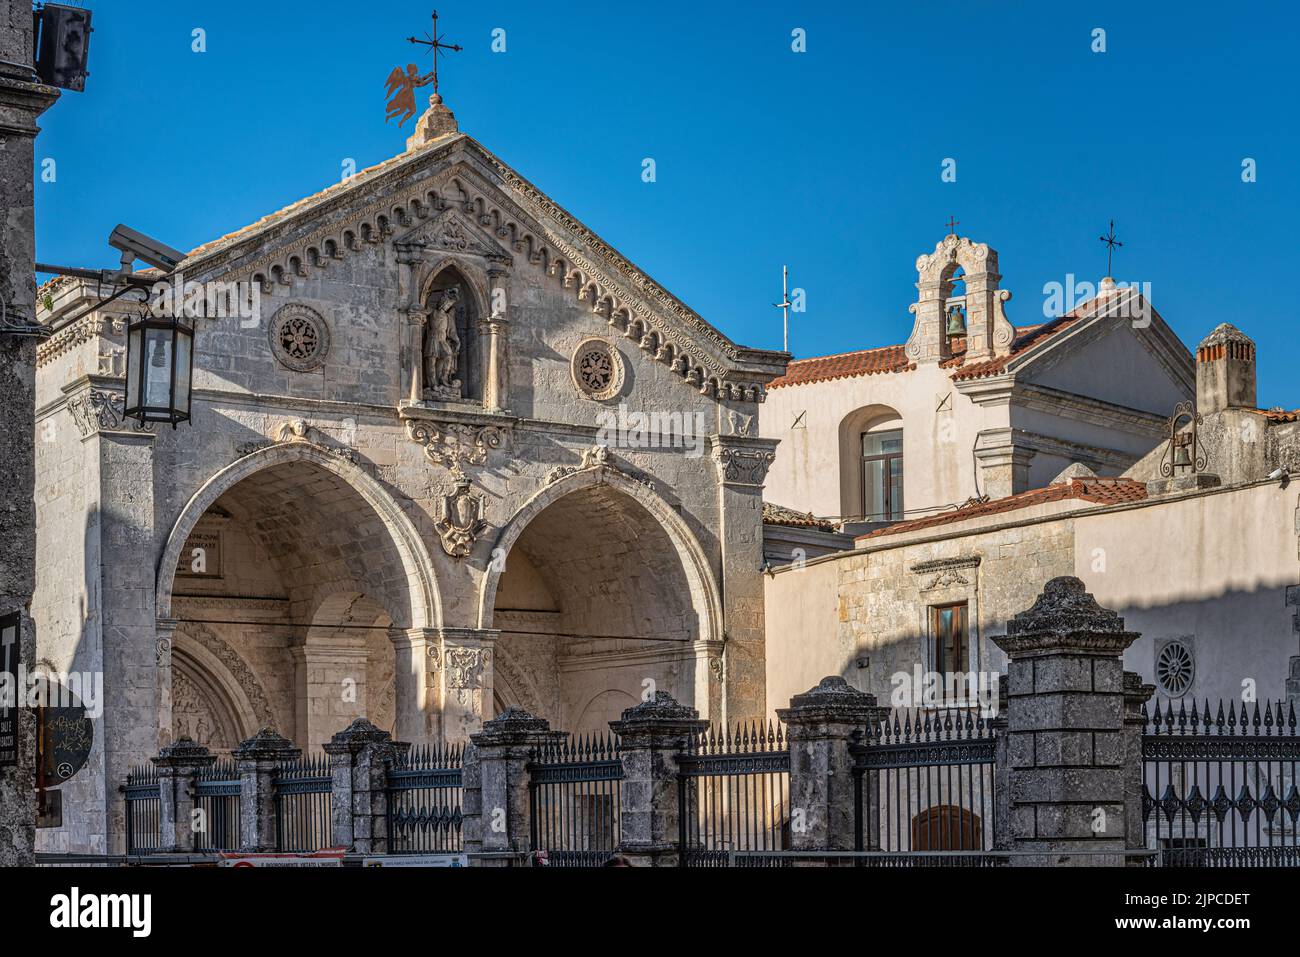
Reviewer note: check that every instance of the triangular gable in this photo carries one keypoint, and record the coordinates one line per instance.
(457, 183)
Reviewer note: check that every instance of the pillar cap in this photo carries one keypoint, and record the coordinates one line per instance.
(1225, 332)
(1065, 618)
(266, 744)
(514, 726)
(182, 752)
(834, 699)
(355, 737)
(660, 712)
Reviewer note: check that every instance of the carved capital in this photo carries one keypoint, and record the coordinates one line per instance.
(742, 465)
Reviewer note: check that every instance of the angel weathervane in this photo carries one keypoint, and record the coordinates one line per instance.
(402, 86)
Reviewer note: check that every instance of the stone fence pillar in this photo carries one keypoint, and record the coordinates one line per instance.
(258, 759)
(1136, 695)
(360, 756)
(820, 726)
(497, 806)
(1066, 751)
(651, 736)
(178, 763)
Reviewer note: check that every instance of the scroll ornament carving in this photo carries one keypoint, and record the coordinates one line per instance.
(454, 444)
(461, 520)
(744, 466)
(1004, 333)
(97, 410)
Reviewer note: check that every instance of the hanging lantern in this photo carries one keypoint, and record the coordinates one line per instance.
(159, 369)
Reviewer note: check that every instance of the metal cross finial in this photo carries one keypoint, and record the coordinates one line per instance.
(1111, 242)
(434, 42)
(952, 224)
(784, 305)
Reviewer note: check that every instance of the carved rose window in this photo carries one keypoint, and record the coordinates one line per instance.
(597, 369)
(299, 337)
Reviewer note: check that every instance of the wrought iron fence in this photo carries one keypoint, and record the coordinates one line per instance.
(924, 781)
(1221, 790)
(143, 810)
(424, 801)
(575, 786)
(302, 790)
(733, 792)
(216, 795)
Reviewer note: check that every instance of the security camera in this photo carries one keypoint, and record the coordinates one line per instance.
(1277, 474)
(135, 245)
(1281, 474)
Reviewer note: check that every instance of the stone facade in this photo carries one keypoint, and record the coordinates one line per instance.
(395, 499)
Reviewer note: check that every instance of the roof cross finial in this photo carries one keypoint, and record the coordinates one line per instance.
(434, 42)
(1111, 242)
(952, 224)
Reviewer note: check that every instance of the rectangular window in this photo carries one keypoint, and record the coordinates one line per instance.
(882, 476)
(949, 650)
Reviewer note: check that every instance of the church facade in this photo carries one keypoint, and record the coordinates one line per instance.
(464, 456)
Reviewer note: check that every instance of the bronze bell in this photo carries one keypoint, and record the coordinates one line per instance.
(1182, 459)
(956, 321)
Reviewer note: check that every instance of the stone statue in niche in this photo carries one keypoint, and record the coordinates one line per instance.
(441, 348)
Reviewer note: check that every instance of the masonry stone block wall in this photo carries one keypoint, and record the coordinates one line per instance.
(1069, 748)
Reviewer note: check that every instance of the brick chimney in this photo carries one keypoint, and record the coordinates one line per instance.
(1225, 371)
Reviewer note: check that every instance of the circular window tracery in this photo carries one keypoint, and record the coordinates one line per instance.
(300, 337)
(597, 369)
(1175, 669)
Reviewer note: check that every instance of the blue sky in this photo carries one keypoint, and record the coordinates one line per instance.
(828, 160)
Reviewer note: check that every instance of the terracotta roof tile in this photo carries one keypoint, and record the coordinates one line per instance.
(1102, 491)
(1280, 415)
(844, 365)
(780, 515)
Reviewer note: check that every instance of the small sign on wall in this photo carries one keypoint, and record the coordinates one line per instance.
(201, 557)
(10, 693)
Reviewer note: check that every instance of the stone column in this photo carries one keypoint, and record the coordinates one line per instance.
(1066, 742)
(502, 827)
(1001, 773)
(126, 607)
(1136, 695)
(22, 100)
(414, 374)
(496, 354)
(651, 736)
(418, 705)
(258, 759)
(466, 685)
(820, 724)
(742, 463)
(178, 763)
(360, 756)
